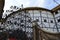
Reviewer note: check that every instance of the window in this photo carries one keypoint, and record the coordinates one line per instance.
(9, 22)
(15, 23)
(17, 8)
(13, 17)
(56, 12)
(45, 20)
(26, 16)
(58, 20)
(37, 20)
(51, 21)
(22, 25)
(22, 21)
(14, 7)
(18, 24)
(29, 20)
(7, 10)
(18, 18)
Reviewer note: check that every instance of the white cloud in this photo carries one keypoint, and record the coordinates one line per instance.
(26, 3)
(40, 3)
(30, 3)
(8, 3)
(18, 3)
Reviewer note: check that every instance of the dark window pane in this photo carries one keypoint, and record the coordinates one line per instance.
(22, 21)
(29, 20)
(8, 22)
(58, 20)
(17, 8)
(51, 21)
(26, 16)
(22, 24)
(15, 23)
(45, 20)
(13, 17)
(56, 12)
(14, 7)
(18, 24)
(18, 18)
(37, 20)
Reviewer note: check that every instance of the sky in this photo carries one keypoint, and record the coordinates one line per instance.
(49, 4)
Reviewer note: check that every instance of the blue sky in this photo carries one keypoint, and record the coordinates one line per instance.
(49, 4)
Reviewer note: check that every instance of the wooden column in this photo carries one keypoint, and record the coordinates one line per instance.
(2, 2)
(34, 33)
(34, 29)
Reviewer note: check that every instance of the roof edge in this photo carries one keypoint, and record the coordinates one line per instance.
(56, 8)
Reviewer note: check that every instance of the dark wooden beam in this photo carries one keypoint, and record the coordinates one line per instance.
(2, 2)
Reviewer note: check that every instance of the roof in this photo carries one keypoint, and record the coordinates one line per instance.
(56, 8)
(36, 8)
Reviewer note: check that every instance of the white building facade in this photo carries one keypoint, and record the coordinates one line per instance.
(47, 20)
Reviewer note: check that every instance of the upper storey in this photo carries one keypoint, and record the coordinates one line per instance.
(31, 9)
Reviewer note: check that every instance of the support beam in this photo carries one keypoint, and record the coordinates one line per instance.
(2, 2)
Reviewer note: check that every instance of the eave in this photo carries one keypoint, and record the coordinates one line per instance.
(56, 8)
